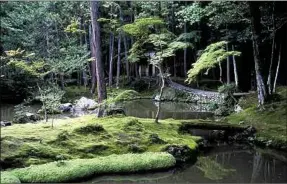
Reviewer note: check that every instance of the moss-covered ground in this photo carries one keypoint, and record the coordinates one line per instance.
(77, 169)
(86, 137)
(270, 122)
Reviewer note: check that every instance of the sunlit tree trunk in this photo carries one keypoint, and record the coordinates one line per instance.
(277, 70)
(111, 59)
(119, 61)
(256, 30)
(220, 72)
(160, 93)
(235, 69)
(93, 63)
(269, 80)
(227, 67)
(96, 43)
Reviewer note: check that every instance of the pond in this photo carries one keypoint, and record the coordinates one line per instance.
(222, 164)
(146, 108)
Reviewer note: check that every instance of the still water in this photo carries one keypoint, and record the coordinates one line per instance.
(146, 108)
(222, 164)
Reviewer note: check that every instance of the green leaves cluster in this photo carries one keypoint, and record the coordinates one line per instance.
(211, 56)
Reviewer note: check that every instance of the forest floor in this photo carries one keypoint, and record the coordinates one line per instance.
(87, 137)
(270, 122)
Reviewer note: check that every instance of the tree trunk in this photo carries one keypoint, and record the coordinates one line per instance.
(101, 86)
(220, 72)
(277, 70)
(235, 69)
(93, 63)
(119, 61)
(62, 81)
(126, 57)
(256, 30)
(269, 80)
(160, 94)
(227, 67)
(184, 55)
(111, 59)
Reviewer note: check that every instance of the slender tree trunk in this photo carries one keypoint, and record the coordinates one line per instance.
(93, 63)
(126, 57)
(277, 70)
(160, 94)
(111, 59)
(227, 67)
(101, 86)
(184, 55)
(137, 70)
(269, 80)
(119, 61)
(220, 72)
(235, 69)
(62, 81)
(256, 30)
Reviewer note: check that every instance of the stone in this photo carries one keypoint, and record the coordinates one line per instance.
(66, 107)
(5, 123)
(237, 108)
(85, 103)
(182, 153)
(33, 116)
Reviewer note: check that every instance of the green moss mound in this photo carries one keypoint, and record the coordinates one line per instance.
(90, 129)
(74, 170)
(9, 178)
(80, 138)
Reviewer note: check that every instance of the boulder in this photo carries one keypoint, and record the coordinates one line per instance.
(85, 103)
(237, 108)
(155, 139)
(5, 123)
(66, 107)
(182, 153)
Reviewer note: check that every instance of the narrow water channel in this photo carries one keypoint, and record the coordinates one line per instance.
(222, 164)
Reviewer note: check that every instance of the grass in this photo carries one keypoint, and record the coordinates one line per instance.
(86, 137)
(74, 170)
(7, 177)
(270, 123)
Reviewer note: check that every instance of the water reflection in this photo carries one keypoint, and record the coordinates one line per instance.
(146, 108)
(223, 164)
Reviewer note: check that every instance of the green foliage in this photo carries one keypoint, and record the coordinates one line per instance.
(74, 28)
(51, 97)
(74, 170)
(141, 26)
(191, 14)
(211, 56)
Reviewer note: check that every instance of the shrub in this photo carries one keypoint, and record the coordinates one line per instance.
(77, 169)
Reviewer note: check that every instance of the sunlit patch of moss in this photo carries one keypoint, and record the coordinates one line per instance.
(9, 178)
(121, 135)
(212, 169)
(73, 170)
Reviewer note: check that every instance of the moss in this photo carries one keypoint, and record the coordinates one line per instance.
(9, 178)
(74, 170)
(119, 134)
(269, 122)
(90, 129)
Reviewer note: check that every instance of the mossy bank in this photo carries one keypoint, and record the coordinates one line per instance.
(79, 169)
(87, 137)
